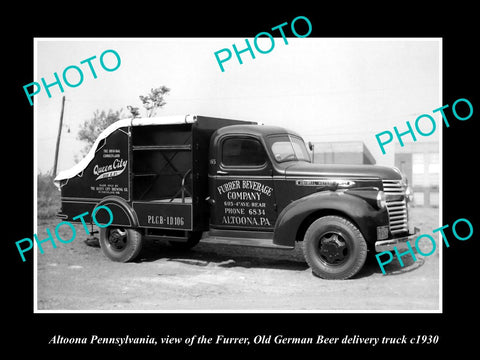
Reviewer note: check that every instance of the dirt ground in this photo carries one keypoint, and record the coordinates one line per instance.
(213, 278)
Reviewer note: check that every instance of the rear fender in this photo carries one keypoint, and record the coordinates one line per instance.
(123, 214)
(356, 206)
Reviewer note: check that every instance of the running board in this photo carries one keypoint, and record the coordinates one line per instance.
(252, 242)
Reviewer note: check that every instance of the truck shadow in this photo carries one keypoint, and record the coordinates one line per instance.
(372, 267)
(225, 256)
(229, 256)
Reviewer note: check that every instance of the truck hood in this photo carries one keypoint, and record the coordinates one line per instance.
(302, 168)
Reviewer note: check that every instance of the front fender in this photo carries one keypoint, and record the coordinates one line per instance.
(356, 206)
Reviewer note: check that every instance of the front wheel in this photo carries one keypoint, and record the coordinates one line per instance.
(334, 248)
(120, 244)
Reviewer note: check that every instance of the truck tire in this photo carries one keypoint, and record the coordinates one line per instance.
(334, 248)
(120, 244)
(193, 239)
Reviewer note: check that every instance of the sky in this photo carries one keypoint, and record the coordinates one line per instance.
(326, 89)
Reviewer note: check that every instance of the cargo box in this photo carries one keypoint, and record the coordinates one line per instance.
(150, 172)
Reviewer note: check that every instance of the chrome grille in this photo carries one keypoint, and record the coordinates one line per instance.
(396, 206)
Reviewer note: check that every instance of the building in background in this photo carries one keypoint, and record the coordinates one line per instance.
(420, 162)
(342, 152)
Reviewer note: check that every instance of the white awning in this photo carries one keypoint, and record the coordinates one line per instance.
(162, 120)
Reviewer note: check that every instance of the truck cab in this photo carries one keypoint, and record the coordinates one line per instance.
(235, 182)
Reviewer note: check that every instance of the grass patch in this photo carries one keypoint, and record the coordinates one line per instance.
(48, 197)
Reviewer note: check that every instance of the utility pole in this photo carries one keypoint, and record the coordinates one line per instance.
(58, 138)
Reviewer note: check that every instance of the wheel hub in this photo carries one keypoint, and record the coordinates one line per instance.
(117, 239)
(333, 248)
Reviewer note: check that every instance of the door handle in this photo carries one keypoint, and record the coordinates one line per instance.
(210, 200)
(221, 172)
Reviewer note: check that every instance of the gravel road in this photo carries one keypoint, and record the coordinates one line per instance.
(212, 278)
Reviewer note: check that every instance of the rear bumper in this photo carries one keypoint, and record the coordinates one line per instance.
(399, 243)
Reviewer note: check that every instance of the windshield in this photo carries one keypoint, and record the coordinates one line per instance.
(288, 148)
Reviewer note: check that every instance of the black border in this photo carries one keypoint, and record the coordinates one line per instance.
(456, 25)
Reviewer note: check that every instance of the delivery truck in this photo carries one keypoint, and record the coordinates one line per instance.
(192, 178)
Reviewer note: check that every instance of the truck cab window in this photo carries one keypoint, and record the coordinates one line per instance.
(242, 152)
(288, 148)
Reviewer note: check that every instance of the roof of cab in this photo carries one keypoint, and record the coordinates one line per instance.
(256, 130)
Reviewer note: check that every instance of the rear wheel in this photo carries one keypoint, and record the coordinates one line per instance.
(120, 244)
(334, 248)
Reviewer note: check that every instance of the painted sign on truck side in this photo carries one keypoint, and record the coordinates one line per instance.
(245, 203)
(107, 174)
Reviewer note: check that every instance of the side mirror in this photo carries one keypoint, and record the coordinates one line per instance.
(311, 146)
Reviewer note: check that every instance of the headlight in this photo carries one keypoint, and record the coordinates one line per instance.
(381, 200)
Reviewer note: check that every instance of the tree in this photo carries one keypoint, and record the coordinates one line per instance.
(155, 100)
(90, 129)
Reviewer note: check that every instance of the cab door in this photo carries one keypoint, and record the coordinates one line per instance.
(241, 185)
